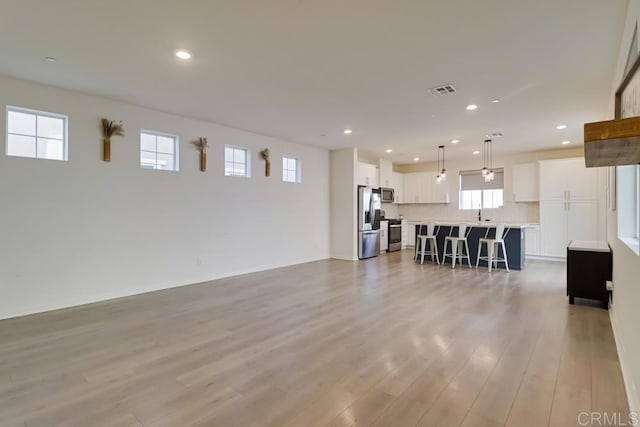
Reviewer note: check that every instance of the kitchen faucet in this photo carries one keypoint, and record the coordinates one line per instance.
(479, 214)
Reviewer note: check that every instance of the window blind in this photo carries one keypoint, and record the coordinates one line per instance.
(473, 180)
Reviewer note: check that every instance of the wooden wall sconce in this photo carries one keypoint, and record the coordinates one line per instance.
(267, 166)
(202, 145)
(109, 129)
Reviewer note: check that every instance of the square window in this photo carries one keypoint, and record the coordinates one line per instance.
(291, 169)
(477, 193)
(236, 161)
(158, 151)
(36, 134)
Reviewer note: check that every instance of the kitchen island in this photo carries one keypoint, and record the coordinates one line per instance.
(514, 239)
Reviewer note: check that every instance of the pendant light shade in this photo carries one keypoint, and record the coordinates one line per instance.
(442, 171)
(487, 170)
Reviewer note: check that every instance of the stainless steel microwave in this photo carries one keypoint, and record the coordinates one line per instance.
(387, 195)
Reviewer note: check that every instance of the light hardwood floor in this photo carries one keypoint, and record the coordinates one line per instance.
(382, 342)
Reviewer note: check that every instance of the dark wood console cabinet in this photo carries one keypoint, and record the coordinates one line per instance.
(589, 266)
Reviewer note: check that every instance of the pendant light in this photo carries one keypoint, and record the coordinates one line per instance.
(487, 170)
(442, 174)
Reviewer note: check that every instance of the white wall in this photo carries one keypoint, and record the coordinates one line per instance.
(86, 230)
(510, 212)
(625, 312)
(344, 204)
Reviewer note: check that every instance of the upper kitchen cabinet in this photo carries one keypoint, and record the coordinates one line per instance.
(564, 179)
(386, 173)
(568, 205)
(397, 183)
(367, 174)
(421, 187)
(526, 182)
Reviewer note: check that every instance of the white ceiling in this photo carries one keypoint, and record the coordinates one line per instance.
(304, 70)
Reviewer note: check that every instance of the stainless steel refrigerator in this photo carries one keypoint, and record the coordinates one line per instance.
(368, 222)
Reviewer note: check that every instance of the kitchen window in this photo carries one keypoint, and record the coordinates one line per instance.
(36, 134)
(629, 206)
(158, 151)
(236, 161)
(476, 193)
(291, 169)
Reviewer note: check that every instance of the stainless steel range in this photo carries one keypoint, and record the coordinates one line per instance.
(395, 235)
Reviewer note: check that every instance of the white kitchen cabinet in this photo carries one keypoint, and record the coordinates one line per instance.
(397, 183)
(404, 234)
(422, 187)
(384, 236)
(526, 182)
(440, 192)
(412, 187)
(367, 174)
(385, 172)
(411, 233)
(568, 205)
(532, 240)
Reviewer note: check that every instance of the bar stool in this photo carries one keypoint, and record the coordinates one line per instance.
(458, 242)
(427, 240)
(493, 247)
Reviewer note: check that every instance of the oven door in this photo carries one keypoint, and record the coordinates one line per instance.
(395, 237)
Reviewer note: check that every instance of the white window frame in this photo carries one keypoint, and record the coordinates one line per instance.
(37, 113)
(629, 213)
(247, 163)
(297, 170)
(176, 151)
(482, 200)
(478, 189)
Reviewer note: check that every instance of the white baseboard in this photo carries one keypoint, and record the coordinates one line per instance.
(630, 387)
(544, 258)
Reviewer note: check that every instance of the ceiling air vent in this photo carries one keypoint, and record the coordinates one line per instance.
(442, 90)
(494, 135)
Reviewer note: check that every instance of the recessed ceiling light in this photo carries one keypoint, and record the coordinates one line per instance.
(476, 152)
(471, 107)
(455, 141)
(495, 101)
(388, 150)
(415, 159)
(560, 127)
(50, 59)
(566, 142)
(348, 131)
(183, 54)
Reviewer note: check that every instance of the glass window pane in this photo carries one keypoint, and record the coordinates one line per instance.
(166, 161)
(23, 146)
(166, 145)
(476, 199)
(238, 169)
(147, 160)
(50, 127)
(147, 142)
(239, 156)
(292, 164)
(292, 176)
(21, 123)
(50, 149)
(228, 168)
(228, 154)
(284, 175)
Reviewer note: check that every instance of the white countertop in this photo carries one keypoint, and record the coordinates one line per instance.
(483, 224)
(588, 245)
